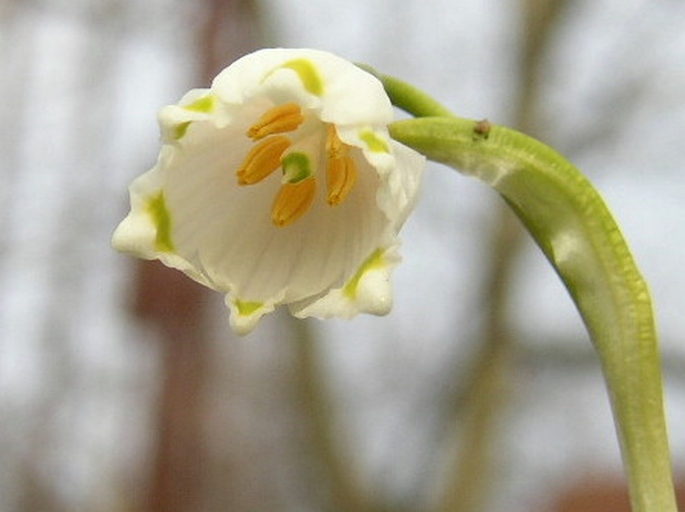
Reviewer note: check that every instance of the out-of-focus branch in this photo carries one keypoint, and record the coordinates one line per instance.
(336, 471)
(471, 475)
(540, 21)
(176, 305)
(481, 405)
(231, 29)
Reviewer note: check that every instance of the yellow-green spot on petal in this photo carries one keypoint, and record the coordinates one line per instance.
(205, 104)
(180, 130)
(246, 307)
(308, 74)
(374, 262)
(157, 209)
(374, 142)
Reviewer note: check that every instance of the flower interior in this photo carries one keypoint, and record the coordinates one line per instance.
(277, 135)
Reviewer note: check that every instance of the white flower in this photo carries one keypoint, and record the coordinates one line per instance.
(279, 185)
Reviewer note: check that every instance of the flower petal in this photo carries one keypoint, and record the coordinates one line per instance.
(267, 72)
(146, 232)
(368, 291)
(137, 233)
(246, 314)
(399, 197)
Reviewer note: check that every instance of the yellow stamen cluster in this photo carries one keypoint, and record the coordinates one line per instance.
(296, 196)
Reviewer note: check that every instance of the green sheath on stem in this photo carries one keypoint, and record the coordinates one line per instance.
(572, 225)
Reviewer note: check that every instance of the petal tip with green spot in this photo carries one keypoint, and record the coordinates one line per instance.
(308, 74)
(374, 142)
(158, 211)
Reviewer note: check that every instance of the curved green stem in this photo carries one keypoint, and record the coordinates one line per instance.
(408, 97)
(574, 228)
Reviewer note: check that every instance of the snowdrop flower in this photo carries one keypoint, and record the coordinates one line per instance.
(279, 185)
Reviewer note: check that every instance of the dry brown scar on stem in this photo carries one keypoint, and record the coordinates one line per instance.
(482, 128)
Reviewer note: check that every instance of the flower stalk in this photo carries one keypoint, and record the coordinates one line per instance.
(572, 225)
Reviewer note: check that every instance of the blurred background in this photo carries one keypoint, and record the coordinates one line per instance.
(122, 388)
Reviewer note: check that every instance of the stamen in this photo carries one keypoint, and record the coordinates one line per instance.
(263, 159)
(334, 146)
(293, 201)
(341, 172)
(280, 119)
(341, 175)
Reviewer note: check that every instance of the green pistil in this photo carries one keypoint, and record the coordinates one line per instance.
(296, 167)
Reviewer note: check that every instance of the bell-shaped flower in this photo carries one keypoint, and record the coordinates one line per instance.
(279, 185)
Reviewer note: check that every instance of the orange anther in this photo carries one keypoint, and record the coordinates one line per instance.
(293, 201)
(280, 119)
(334, 146)
(341, 175)
(263, 159)
(341, 171)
